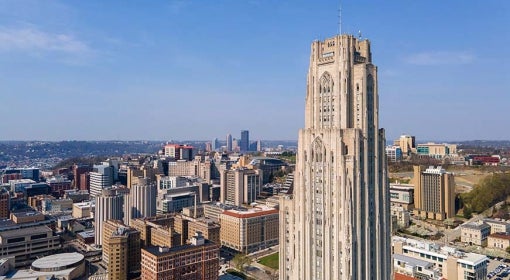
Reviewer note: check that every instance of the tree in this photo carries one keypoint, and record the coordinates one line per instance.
(240, 261)
(467, 212)
(508, 249)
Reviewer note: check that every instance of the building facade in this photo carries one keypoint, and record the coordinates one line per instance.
(109, 206)
(121, 250)
(336, 225)
(249, 231)
(142, 200)
(198, 260)
(240, 186)
(434, 193)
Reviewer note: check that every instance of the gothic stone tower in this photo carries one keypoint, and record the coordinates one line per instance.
(336, 224)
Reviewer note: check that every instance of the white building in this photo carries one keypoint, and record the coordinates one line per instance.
(142, 200)
(109, 205)
(451, 263)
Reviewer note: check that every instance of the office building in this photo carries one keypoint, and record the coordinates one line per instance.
(85, 181)
(435, 150)
(240, 186)
(229, 142)
(31, 173)
(250, 230)
(101, 178)
(121, 250)
(393, 153)
(83, 209)
(214, 144)
(244, 143)
(402, 195)
(109, 206)
(407, 144)
(434, 193)
(268, 166)
(141, 200)
(336, 224)
(5, 204)
(144, 226)
(79, 170)
(178, 151)
(26, 244)
(197, 260)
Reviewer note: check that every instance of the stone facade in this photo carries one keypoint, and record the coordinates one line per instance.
(336, 224)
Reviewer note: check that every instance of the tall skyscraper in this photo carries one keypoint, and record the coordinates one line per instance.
(336, 224)
(142, 200)
(434, 193)
(214, 144)
(229, 142)
(245, 141)
(109, 206)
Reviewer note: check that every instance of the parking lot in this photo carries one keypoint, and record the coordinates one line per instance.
(498, 270)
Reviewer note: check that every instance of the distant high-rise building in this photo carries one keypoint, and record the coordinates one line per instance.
(259, 146)
(336, 224)
(5, 203)
(214, 144)
(434, 193)
(109, 206)
(142, 200)
(235, 145)
(244, 144)
(85, 182)
(78, 170)
(100, 178)
(229, 142)
(178, 151)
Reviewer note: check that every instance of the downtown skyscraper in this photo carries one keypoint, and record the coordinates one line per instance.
(336, 223)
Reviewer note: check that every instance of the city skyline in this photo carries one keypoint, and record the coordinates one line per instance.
(103, 71)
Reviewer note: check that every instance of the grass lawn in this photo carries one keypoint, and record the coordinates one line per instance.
(270, 261)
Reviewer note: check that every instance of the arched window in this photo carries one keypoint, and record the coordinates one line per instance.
(326, 83)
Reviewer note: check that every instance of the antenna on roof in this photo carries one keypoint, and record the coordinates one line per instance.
(340, 18)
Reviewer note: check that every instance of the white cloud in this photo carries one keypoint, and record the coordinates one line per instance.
(29, 39)
(440, 58)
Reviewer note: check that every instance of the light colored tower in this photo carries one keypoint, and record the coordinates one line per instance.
(336, 224)
(229, 142)
(214, 144)
(142, 200)
(109, 206)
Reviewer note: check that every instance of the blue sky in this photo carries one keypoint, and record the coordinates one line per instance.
(163, 70)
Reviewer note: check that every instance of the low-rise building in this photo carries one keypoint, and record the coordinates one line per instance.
(401, 216)
(475, 233)
(451, 263)
(83, 209)
(497, 226)
(499, 240)
(419, 269)
(27, 244)
(402, 195)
